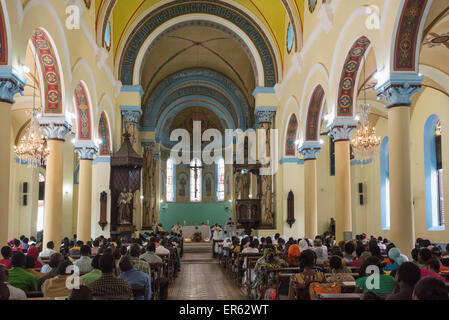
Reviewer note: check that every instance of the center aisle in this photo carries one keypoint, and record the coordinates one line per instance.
(202, 278)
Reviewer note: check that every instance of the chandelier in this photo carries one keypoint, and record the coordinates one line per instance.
(366, 141)
(32, 147)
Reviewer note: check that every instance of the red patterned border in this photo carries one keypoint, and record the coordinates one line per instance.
(291, 136)
(103, 132)
(313, 114)
(50, 72)
(3, 39)
(83, 111)
(407, 36)
(349, 75)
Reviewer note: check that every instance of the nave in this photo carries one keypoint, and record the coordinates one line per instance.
(203, 278)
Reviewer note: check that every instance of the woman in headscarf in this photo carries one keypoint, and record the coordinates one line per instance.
(32, 251)
(308, 274)
(396, 258)
(293, 255)
(269, 261)
(303, 245)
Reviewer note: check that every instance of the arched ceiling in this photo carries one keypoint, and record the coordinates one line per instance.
(271, 13)
(196, 46)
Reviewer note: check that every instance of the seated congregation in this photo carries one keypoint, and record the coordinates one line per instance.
(271, 268)
(128, 269)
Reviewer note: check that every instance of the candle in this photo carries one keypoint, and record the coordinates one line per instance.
(207, 222)
(184, 222)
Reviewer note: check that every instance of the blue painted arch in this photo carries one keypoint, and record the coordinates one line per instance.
(172, 10)
(197, 81)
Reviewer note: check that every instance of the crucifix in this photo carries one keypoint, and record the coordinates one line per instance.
(196, 167)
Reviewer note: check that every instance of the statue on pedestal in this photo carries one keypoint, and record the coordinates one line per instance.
(125, 207)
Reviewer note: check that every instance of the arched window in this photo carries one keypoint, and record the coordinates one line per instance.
(170, 180)
(40, 205)
(385, 184)
(220, 179)
(108, 36)
(433, 167)
(195, 180)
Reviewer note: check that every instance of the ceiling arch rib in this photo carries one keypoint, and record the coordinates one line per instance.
(197, 82)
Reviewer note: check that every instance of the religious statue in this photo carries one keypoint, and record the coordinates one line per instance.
(246, 184)
(228, 184)
(208, 186)
(125, 207)
(182, 190)
(238, 186)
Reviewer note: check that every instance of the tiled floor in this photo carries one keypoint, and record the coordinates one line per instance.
(202, 278)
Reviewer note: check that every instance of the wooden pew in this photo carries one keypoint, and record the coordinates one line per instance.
(339, 296)
(156, 274)
(251, 260)
(168, 266)
(34, 294)
(141, 292)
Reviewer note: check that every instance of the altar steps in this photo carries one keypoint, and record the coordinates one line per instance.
(198, 247)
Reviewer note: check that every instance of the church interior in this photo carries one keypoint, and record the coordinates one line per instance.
(348, 101)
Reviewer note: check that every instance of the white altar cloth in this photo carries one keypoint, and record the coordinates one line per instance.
(188, 231)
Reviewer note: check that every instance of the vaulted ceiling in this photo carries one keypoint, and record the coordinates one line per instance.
(271, 13)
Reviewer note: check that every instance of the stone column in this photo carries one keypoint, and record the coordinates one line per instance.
(55, 129)
(341, 130)
(310, 150)
(398, 91)
(264, 118)
(148, 181)
(10, 84)
(156, 156)
(86, 152)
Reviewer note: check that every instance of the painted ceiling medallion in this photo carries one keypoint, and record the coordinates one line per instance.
(312, 5)
(435, 40)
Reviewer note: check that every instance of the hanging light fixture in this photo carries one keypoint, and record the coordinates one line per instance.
(366, 141)
(32, 147)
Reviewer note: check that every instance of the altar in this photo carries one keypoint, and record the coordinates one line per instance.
(189, 231)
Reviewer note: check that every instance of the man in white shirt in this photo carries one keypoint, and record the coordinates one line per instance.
(47, 252)
(84, 263)
(14, 293)
(162, 250)
(177, 229)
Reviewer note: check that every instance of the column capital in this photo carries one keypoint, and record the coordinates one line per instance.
(86, 150)
(129, 88)
(55, 128)
(398, 89)
(148, 145)
(341, 128)
(264, 114)
(11, 83)
(310, 149)
(131, 114)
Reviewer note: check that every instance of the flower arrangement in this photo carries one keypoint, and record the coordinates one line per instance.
(197, 237)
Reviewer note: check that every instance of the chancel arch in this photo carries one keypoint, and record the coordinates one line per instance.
(237, 19)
